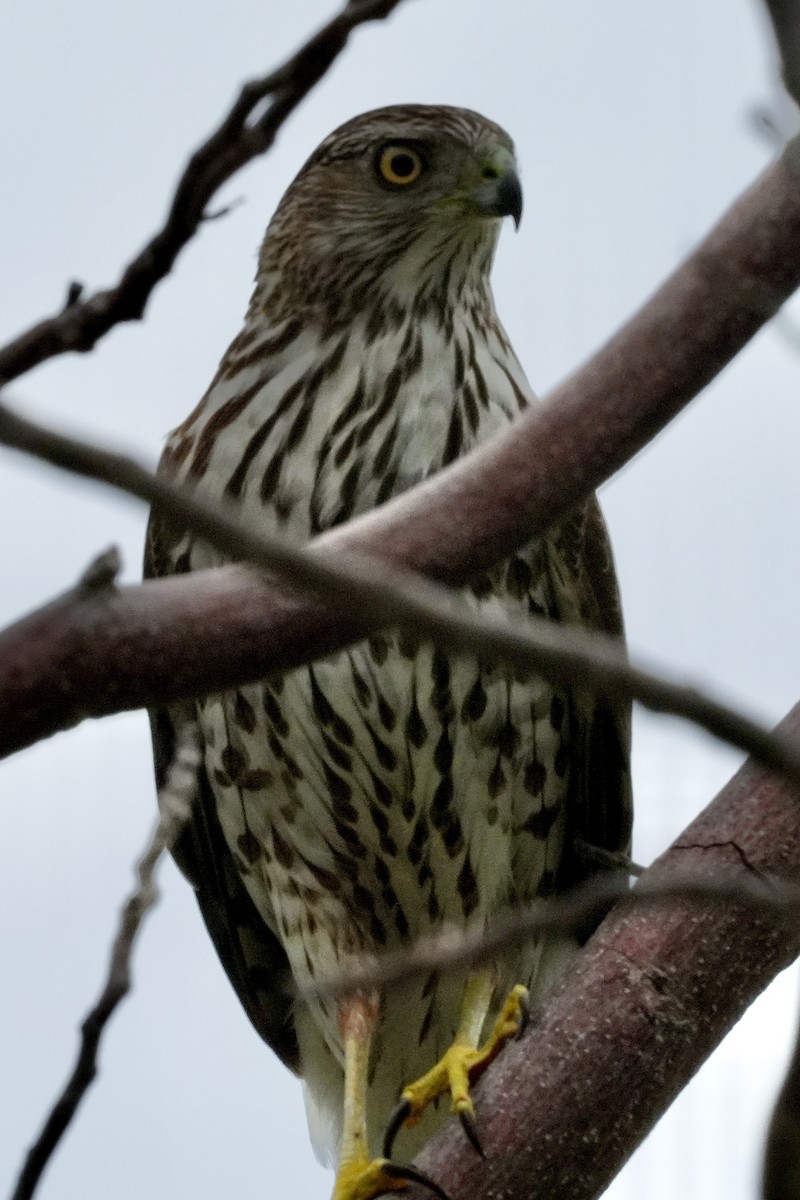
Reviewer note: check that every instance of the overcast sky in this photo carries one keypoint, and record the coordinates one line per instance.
(634, 125)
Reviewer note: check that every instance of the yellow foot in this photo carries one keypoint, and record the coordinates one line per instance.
(362, 1179)
(455, 1072)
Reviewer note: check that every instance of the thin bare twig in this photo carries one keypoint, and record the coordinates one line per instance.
(247, 130)
(175, 801)
(453, 948)
(393, 597)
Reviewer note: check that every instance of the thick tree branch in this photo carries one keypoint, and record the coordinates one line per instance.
(245, 132)
(354, 587)
(652, 994)
(175, 799)
(152, 644)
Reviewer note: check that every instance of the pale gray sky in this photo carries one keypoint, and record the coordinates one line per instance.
(633, 126)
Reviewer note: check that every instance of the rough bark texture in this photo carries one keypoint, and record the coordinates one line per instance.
(652, 994)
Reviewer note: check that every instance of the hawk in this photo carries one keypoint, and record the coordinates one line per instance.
(351, 806)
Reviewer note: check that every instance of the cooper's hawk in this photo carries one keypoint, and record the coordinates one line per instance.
(350, 806)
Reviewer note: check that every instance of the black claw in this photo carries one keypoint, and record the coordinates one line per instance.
(396, 1122)
(471, 1130)
(525, 1013)
(412, 1175)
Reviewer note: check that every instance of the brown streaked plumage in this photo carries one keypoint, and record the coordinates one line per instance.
(349, 806)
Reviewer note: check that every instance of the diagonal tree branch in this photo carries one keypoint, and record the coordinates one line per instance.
(151, 645)
(651, 995)
(245, 132)
(453, 947)
(353, 587)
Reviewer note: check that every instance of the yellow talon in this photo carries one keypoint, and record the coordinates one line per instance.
(463, 1063)
(362, 1179)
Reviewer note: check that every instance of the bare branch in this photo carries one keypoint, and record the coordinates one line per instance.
(389, 595)
(453, 947)
(143, 646)
(175, 800)
(244, 133)
(655, 989)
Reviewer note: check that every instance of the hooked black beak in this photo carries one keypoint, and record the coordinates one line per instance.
(501, 197)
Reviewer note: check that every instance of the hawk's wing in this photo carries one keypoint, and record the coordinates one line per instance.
(601, 807)
(252, 956)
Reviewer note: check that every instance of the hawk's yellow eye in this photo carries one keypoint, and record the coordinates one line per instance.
(400, 165)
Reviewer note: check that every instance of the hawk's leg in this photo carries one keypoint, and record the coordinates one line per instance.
(358, 1176)
(465, 1061)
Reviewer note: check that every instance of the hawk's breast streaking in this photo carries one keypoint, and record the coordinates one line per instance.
(352, 805)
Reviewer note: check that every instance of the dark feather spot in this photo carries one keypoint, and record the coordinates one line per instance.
(340, 790)
(455, 437)
(363, 693)
(244, 714)
(557, 711)
(382, 457)
(507, 739)
(339, 755)
(379, 819)
(379, 649)
(443, 754)
(535, 777)
(282, 851)
(298, 427)
(385, 755)
(497, 780)
(459, 367)
(416, 729)
(256, 780)
(474, 704)
(377, 930)
(442, 799)
(452, 834)
(383, 793)
(467, 887)
(418, 842)
(471, 411)
(249, 845)
(387, 486)
(234, 762)
(351, 409)
(540, 823)
(386, 713)
(344, 449)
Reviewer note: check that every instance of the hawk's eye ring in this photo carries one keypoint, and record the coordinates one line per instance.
(399, 165)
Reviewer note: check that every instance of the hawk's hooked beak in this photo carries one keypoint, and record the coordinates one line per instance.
(500, 197)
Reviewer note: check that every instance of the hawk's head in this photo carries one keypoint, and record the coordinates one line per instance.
(397, 201)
